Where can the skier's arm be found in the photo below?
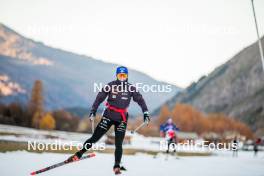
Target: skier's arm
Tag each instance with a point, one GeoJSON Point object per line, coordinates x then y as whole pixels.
{"type": "Point", "coordinates": [137, 97]}
{"type": "Point", "coordinates": [175, 128]}
{"type": "Point", "coordinates": [162, 132]}
{"type": "Point", "coordinates": [99, 99]}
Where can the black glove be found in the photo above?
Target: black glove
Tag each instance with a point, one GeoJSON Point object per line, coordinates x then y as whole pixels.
{"type": "Point", "coordinates": [92, 115]}
{"type": "Point", "coordinates": [146, 117]}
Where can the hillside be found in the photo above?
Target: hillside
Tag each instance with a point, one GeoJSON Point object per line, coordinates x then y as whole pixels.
{"type": "Point", "coordinates": [68, 78]}
{"type": "Point", "coordinates": [235, 88]}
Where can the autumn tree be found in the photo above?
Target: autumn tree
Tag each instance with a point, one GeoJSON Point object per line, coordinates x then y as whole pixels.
{"type": "Point", "coordinates": [221, 123]}
{"type": "Point", "coordinates": [47, 122]}
{"type": "Point", "coordinates": [187, 118]}
{"type": "Point", "coordinates": [36, 103]}
{"type": "Point", "coordinates": [164, 115]}
{"type": "Point", "coordinates": [65, 120]}
{"type": "Point", "coordinates": [184, 117]}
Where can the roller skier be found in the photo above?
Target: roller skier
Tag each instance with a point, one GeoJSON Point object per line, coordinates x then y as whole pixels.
{"type": "Point", "coordinates": [168, 130]}
{"type": "Point", "coordinates": [119, 94]}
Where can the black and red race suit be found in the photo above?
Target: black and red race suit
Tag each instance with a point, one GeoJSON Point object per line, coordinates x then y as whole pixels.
{"type": "Point", "coordinates": [119, 95]}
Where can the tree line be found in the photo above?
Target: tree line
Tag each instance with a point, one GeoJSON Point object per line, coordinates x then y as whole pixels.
{"type": "Point", "coordinates": [189, 119]}
{"type": "Point", "coordinates": [34, 115]}
{"type": "Point", "coordinates": [186, 117]}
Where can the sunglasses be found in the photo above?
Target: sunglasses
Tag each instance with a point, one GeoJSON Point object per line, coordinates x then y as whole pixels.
{"type": "Point", "coordinates": [122, 76]}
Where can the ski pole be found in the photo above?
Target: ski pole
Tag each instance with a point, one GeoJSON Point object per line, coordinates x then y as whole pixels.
{"type": "Point", "coordinates": [140, 126]}
{"type": "Point", "coordinates": [92, 125]}
{"type": "Point", "coordinates": [60, 164]}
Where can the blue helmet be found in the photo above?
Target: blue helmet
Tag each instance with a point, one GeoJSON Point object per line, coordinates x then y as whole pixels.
{"type": "Point", "coordinates": [121, 69]}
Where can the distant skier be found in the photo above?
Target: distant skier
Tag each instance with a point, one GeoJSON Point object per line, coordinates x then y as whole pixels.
{"type": "Point", "coordinates": [255, 147]}
{"type": "Point", "coordinates": [168, 130]}
{"type": "Point", "coordinates": [118, 94]}
{"type": "Point", "coordinates": [235, 147]}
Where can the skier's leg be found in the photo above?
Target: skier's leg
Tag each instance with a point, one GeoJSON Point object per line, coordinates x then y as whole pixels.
{"type": "Point", "coordinates": [174, 146]}
{"type": "Point", "coordinates": [102, 127]}
{"type": "Point", "coordinates": [120, 131]}
{"type": "Point", "coordinates": [169, 144]}
{"type": "Point", "coordinates": [100, 130]}
{"type": "Point", "coordinates": [168, 150]}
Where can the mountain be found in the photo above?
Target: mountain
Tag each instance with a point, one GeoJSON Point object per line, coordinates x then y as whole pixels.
{"type": "Point", "coordinates": [235, 88]}
{"type": "Point", "coordinates": [68, 78]}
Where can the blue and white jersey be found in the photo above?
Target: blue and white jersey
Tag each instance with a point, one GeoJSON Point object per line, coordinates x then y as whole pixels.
{"type": "Point", "coordinates": [168, 127]}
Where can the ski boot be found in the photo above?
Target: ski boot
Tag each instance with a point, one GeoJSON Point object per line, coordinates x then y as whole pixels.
{"type": "Point", "coordinates": [75, 157]}
{"type": "Point", "coordinates": [122, 168]}
{"type": "Point", "coordinates": [117, 169]}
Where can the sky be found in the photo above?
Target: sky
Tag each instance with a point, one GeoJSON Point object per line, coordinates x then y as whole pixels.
{"type": "Point", "coordinates": [170, 40]}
